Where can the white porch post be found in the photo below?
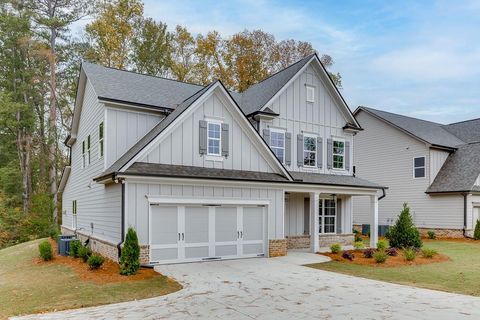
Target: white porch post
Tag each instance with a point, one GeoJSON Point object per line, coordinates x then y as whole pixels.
{"type": "Point", "coordinates": [314, 225]}
{"type": "Point", "coordinates": [374, 221]}
{"type": "Point", "coordinates": [348, 215]}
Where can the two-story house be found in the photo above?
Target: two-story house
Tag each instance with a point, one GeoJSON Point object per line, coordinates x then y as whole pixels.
{"type": "Point", "coordinates": [202, 173]}
{"type": "Point", "coordinates": [435, 168]}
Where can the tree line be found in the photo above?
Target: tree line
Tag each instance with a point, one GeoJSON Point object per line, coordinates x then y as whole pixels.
{"type": "Point", "coordinates": [39, 66]}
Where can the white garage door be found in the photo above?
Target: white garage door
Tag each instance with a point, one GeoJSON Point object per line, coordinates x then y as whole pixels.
{"type": "Point", "coordinates": [185, 233]}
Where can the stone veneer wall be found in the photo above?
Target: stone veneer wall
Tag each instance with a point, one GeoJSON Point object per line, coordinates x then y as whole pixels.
{"type": "Point", "coordinates": [277, 248]}
{"type": "Point", "coordinates": [325, 240]}
{"type": "Point", "coordinates": [144, 254]}
{"type": "Point", "coordinates": [105, 248]}
{"type": "Point", "coordinates": [298, 242]}
{"type": "Point", "coordinates": [439, 232]}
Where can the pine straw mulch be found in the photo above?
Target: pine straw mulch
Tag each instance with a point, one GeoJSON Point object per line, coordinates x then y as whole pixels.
{"type": "Point", "coordinates": [109, 272]}
{"type": "Point", "coordinates": [397, 261]}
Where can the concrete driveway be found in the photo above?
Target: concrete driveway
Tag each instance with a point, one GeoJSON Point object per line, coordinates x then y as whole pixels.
{"type": "Point", "coordinates": [279, 288]}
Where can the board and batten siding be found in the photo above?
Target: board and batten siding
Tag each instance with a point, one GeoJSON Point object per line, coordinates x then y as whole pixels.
{"type": "Point", "coordinates": [321, 117]}
{"type": "Point", "coordinates": [181, 146]}
{"type": "Point", "coordinates": [96, 203]}
{"type": "Point", "coordinates": [384, 154]}
{"type": "Point", "coordinates": [437, 159]}
{"type": "Point", "coordinates": [137, 204]}
{"type": "Point", "coordinates": [124, 128]}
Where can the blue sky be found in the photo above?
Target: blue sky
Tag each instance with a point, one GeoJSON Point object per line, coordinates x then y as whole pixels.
{"type": "Point", "coordinates": [419, 58]}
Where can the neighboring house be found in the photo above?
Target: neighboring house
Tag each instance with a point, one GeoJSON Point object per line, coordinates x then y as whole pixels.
{"type": "Point", "coordinates": [202, 173]}
{"type": "Point", "coordinates": [435, 168]}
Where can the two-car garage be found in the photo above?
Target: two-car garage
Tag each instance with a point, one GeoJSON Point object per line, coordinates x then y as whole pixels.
{"type": "Point", "coordinates": [189, 230]}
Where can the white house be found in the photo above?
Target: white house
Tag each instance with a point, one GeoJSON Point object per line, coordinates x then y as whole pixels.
{"type": "Point", "coordinates": [202, 173]}
{"type": "Point", "coordinates": [435, 168]}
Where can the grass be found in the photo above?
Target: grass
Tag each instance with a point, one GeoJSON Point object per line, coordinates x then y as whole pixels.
{"type": "Point", "coordinates": [27, 288]}
{"type": "Point", "coordinates": [460, 274]}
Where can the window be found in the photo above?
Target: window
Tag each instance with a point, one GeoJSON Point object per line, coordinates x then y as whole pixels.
{"type": "Point", "coordinates": [277, 144]}
{"type": "Point", "coordinates": [83, 154]}
{"type": "Point", "coordinates": [310, 94]}
{"type": "Point", "coordinates": [338, 154]}
{"type": "Point", "coordinates": [214, 138]}
{"type": "Point", "coordinates": [309, 151]}
{"type": "Point", "coordinates": [74, 214]}
{"type": "Point", "coordinates": [88, 150]}
{"type": "Point", "coordinates": [419, 167]}
{"type": "Point", "coordinates": [100, 140]}
{"type": "Point", "coordinates": [327, 216]}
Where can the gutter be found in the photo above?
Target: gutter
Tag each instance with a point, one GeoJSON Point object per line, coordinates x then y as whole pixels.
{"type": "Point", "coordinates": [384, 194]}
{"type": "Point", "coordinates": [122, 232]}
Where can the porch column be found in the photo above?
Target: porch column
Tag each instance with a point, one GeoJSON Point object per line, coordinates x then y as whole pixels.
{"type": "Point", "coordinates": [347, 215]}
{"type": "Point", "coordinates": [373, 221]}
{"type": "Point", "coordinates": [314, 232]}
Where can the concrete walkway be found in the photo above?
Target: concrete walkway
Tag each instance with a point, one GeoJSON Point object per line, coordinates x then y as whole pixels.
{"type": "Point", "coordinates": [279, 288]}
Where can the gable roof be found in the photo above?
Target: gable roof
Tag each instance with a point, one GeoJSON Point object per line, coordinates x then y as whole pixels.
{"type": "Point", "coordinates": [468, 131]}
{"type": "Point", "coordinates": [427, 131]}
{"type": "Point", "coordinates": [459, 172]}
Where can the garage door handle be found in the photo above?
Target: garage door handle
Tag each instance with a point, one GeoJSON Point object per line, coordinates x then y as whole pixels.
{"type": "Point", "coordinates": [183, 236]}
{"type": "Point", "coordinates": [241, 234]}
{"type": "Point", "coordinates": [238, 234]}
{"type": "Point", "coordinates": [179, 236]}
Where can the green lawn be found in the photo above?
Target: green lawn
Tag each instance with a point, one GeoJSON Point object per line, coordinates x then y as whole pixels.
{"type": "Point", "coordinates": [461, 274]}
{"type": "Point", "coordinates": [28, 288]}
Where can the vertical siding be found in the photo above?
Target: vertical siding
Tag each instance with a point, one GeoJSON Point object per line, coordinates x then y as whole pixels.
{"type": "Point", "coordinates": [385, 155]}
{"type": "Point", "coordinates": [322, 117]}
{"type": "Point", "coordinates": [137, 204]}
{"type": "Point", "coordinates": [294, 214]}
{"type": "Point", "coordinates": [437, 159]}
{"type": "Point", "coordinates": [124, 128]}
{"type": "Point", "coordinates": [96, 203]}
{"type": "Point", "coordinates": [181, 146]}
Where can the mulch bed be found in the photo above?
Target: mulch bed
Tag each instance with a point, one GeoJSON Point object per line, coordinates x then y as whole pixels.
{"type": "Point", "coordinates": [397, 261]}
{"type": "Point", "coordinates": [109, 272]}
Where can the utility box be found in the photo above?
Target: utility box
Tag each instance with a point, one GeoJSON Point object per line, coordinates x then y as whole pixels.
{"type": "Point", "coordinates": [365, 229]}
{"type": "Point", "coordinates": [64, 244]}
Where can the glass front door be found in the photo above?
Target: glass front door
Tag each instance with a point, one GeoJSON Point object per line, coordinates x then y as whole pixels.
{"type": "Point", "coordinates": [327, 216]}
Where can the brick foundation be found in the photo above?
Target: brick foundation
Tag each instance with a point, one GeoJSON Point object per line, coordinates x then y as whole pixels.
{"type": "Point", "coordinates": [277, 248]}
{"type": "Point", "coordinates": [144, 254]}
{"type": "Point", "coordinates": [298, 242]}
{"type": "Point", "coordinates": [442, 233]}
{"type": "Point", "coordinates": [327, 240]}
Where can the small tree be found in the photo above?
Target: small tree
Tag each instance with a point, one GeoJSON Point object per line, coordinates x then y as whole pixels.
{"type": "Point", "coordinates": [130, 257]}
{"type": "Point", "coordinates": [404, 234]}
{"type": "Point", "coordinates": [476, 233]}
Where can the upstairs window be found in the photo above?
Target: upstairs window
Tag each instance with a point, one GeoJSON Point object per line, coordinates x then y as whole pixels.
{"type": "Point", "coordinates": [277, 144]}
{"type": "Point", "coordinates": [88, 150]}
{"type": "Point", "coordinates": [214, 138]}
{"type": "Point", "coordinates": [100, 140]}
{"type": "Point", "coordinates": [419, 167]}
{"type": "Point", "coordinates": [310, 94]}
{"type": "Point", "coordinates": [338, 154]}
{"type": "Point", "coordinates": [309, 151]}
{"type": "Point", "coordinates": [83, 154]}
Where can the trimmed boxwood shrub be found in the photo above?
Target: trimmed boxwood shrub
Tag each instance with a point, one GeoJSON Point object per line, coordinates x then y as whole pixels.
{"type": "Point", "coordinates": [368, 253]}
{"type": "Point", "coordinates": [335, 248]}
{"type": "Point", "coordinates": [84, 253]}
{"type": "Point", "coordinates": [348, 255]}
{"type": "Point", "coordinates": [431, 234]}
{"type": "Point", "coordinates": [130, 257]}
{"type": "Point", "coordinates": [382, 244]}
{"type": "Point", "coordinates": [380, 256]}
{"type": "Point", "coordinates": [95, 261]}
{"type": "Point", "coordinates": [410, 254]}
{"type": "Point", "coordinates": [74, 247]}
{"type": "Point", "coordinates": [358, 245]}
{"type": "Point", "coordinates": [404, 234]}
{"type": "Point", "coordinates": [429, 253]}
{"type": "Point", "coordinates": [476, 233]}
{"type": "Point", "coordinates": [45, 249]}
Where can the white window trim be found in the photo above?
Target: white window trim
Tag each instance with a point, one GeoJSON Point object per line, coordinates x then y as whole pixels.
{"type": "Point", "coordinates": [322, 216]}
{"type": "Point", "coordinates": [74, 214]}
{"type": "Point", "coordinates": [282, 131]}
{"type": "Point", "coordinates": [316, 151]}
{"type": "Point", "coordinates": [333, 154]}
{"type": "Point", "coordinates": [307, 88]}
{"type": "Point", "coordinates": [214, 156]}
{"type": "Point", "coordinates": [83, 150]}
{"type": "Point", "coordinates": [424, 167]}
{"type": "Point", "coordinates": [89, 150]}
{"type": "Point", "coordinates": [101, 141]}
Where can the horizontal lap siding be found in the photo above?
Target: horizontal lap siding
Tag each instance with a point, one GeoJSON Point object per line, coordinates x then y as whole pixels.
{"type": "Point", "coordinates": [137, 204]}
{"type": "Point", "coordinates": [322, 117]}
{"type": "Point", "coordinates": [181, 146]}
{"type": "Point", "coordinates": [385, 155]}
{"type": "Point", "coordinates": [96, 203]}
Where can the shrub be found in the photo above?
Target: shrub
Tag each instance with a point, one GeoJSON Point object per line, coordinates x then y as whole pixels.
{"type": "Point", "coordinates": [382, 244]}
{"type": "Point", "coordinates": [74, 247]}
{"type": "Point", "coordinates": [84, 253]}
{"type": "Point", "coordinates": [431, 234]}
{"type": "Point", "coordinates": [53, 232]}
{"type": "Point", "coordinates": [391, 252]}
{"type": "Point", "coordinates": [429, 253]}
{"type": "Point", "coordinates": [368, 253]}
{"type": "Point", "coordinates": [95, 261]}
{"type": "Point", "coordinates": [380, 256]}
{"type": "Point", "coordinates": [476, 233]}
{"type": "Point", "coordinates": [130, 257]}
{"type": "Point", "coordinates": [335, 248]}
{"type": "Point", "coordinates": [358, 245]}
{"type": "Point", "coordinates": [358, 238]}
{"type": "Point", "coordinates": [404, 234]}
{"type": "Point", "coordinates": [410, 254]}
{"type": "Point", "coordinates": [45, 249]}
{"type": "Point", "coordinates": [348, 255]}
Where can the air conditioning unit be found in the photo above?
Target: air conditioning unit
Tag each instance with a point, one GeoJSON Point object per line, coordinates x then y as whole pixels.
{"type": "Point", "coordinates": [64, 244]}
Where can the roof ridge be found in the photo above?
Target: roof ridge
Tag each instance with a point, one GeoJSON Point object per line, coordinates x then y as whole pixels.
{"type": "Point", "coordinates": [463, 121]}
{"type": "Point", "coordinates": [141, 74]}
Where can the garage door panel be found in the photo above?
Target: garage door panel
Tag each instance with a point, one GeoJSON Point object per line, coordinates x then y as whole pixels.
{"type": "Point", "coordinates": [159, 255]}
{"type": "Point", "coordinates": [226, 250]}
{"type": "Point", "coordinates": [225, 224]}
{"type": "Point", "coordinates": [196, 224]}
{"type": "Point", "coordinates": [164, 225]}
{"type": "Point", "coordinates": [255, 248]}
{"type": "Point", "coordinates": [196, 252]}
{"type": "Point", "coordinates": [253, 223]}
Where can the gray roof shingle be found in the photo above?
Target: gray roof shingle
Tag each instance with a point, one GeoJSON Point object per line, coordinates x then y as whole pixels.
{"type": "Point", "coordinates": [331, 179]}
{"type": "Point", "coordinates": [459, 171]}
{"type": "Point", "coordinates": [468, 131]}
{"type": "Point", "coordinates": [430, 132]}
